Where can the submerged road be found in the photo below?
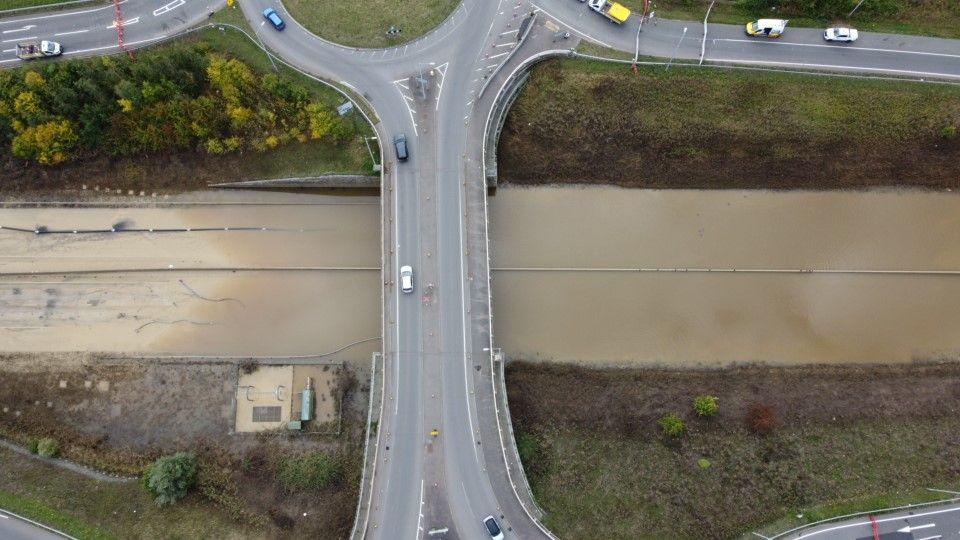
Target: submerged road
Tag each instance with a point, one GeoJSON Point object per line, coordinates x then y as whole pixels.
{"type": "Point", "coordinates": [439, 370]}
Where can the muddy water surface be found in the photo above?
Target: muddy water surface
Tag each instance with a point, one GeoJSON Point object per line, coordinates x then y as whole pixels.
{"type": "Point", "coordinates": [703, 318]}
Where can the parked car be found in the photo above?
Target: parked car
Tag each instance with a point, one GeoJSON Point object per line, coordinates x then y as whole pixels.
{"type": "Point", "coordinates": [400, 143]}
{"type": "Point", "coordinates": [493, 528]}
{"type": "Point", "coordinates": [841, 34]}
{"type": "Point", "coordinates": [271, 16]}
{"type": "Point", "coordinates": [772, 28]}
{"type": "Point", "coordinates": [406, 279]}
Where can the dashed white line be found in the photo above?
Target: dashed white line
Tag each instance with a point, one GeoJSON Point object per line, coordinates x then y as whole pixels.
{"type": "Point", "coordinates": [498, 55]}
{"type": "Point", "coordinates": [24, 29]}
{"type": "Point", "coordinates": [72, 32]}
{"type": "Point", "coordinates": [18, 39]}
{"type": "Point", "coordinates": [508, 32]}
{"type": "Point", "coordinates": [505, 45]}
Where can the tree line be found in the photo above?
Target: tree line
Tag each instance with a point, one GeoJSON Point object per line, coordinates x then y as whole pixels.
{"type": "Point", "coordinates": [188, 98]}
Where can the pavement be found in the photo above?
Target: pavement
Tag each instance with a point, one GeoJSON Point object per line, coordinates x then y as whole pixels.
{"type": "Point", "coordinates": [444, 461]}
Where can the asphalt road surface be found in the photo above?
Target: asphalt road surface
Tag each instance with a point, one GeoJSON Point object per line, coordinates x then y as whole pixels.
{"type": "Point", "coordinates": [438, 365]}
{"type": "Point", "coordinates": [928, 523]}
{"type": "Point", "coordinates": [14, 528]}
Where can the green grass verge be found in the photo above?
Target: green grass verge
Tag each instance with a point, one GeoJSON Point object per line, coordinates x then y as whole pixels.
{"type": "Point", "coordinates": [728, 128]}
{"type": "Point", "coordinates": [365, 23]}
{"type": "Point", "coordinates": [939, 18]}
{"type": "Point", "coordinates": [18, 4]}
{"type": "Point", "coordinates": [87, 508]}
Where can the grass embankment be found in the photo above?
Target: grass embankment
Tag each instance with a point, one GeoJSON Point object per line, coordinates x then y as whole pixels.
{"type": "Point", "coordinates": [86, 508]}
{"type": "Point", "coordinates": [171, 126]}
{"type": "Point", "coordinates": [842, 439]}
{"type": "Point", "coordinates": [710, 128]}
{"type": "Point", "coordinates": [927, 17]}
{"type": "Point", "coordinates": [365, 24]}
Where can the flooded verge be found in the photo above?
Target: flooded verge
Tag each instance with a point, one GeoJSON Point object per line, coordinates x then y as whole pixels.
{"type": "Point", "coordinates": [707, 318]}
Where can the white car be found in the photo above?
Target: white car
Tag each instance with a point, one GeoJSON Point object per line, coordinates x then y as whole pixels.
{"type": "Point", "coordinates": [406, 279]}
{"type": "Point", "coordinates": [841, 34]}
{"type": "Point", "coordinates": [493, 528]}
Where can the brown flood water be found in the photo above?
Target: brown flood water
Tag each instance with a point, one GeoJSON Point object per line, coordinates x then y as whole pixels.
{"type": "Point", "coordinates": [710, 318]}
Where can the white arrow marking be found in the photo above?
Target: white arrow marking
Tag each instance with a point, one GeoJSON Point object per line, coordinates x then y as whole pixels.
{"type": "Point", "coordinates": [134, 20]}
{"type": "Point", "coordinates": [24, 29]}
{"type": "Point", "coordinates": [908, 529]}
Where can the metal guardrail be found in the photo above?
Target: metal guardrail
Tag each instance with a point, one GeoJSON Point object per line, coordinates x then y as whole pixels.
{"type": "Point", "coordinates": [369, 458]}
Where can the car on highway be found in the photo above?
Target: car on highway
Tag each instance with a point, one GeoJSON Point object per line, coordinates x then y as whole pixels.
{"type": "Point", "coordinates": [406, 279]}
{"type": "Point", "coordinates": [400, 144]}
{"type": "Point", "coordinates": [493, 528]}
{"type": "Point", "coordinates": [772, 28]}
{"type": "Point", "coordinates": [841, 34]}
{"type": "Point", "coordinates": [271, 16]}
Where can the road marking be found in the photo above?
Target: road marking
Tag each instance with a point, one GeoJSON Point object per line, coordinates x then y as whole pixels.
{"type": "Point", "coordinates": [419, 512]}
{"type": "Point", "coordinates": [66, 14]}
{"type": "Point", "coordinates": [498, 55]}
{"type": "Point", "coordinates": [908, 529]}
{"type": "Point", "coordinates": [167, 7]}
{"type": "Point", "coordinates": [443, 76]}
{"type": "Point", "coordinates": [572, 29]}
{"type": "Point", "coordinates": [18, 39]}
{"type": "Point", "coordinates": [134, 20]}
{"type": "Point", "coordinates": [508, 32]}
{"type": "Point", "coordinates": [884, 520]}
{"type": "Point", "coordinates": [71, 33]}
{"type": "Point", "coordinates": [864, 49]}
{"type": "Point", "coordinates": [24, 29]}
{"type": "Point", "coordinates": [504, 45]}
{"type": "Point", "coordinates": [835, 67]}
{"type": "Point", "coordinates": [930, 537]}
{"type": "Point", "coordinates": [4, 516]}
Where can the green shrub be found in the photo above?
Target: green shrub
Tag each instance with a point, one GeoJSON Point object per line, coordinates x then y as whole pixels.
{"type": "Point", "coordinates": [47, 447]}
{"type": "Point", "coordinates": [672, 425]}
{"type": "Point", "coordinates": [317, 470]}
{"type": "Point", "coordinates": [170, 478]}
{"type": "Point", "coordinates": [32, 444]}
{"type": "Point", "coordinates": [705, 405]}
{"type": "Point", "coordinates": [949, 132]}
{"type": "Point", "coordinates": [704, 463]}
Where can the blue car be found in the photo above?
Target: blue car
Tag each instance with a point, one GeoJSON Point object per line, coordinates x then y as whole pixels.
{"type": "Point", "coordinates": [271, 16]}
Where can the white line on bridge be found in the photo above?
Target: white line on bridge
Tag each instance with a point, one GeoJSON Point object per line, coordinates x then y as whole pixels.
{"type": "Point", "coordinates": [72, 32]}
{"type": "Point", "coordinates": [18, 39]}
{"type": "Point", "coordinates": [863, 49]}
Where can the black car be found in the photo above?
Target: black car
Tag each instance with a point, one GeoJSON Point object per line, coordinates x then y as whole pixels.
{"type": "Point", "coordinates": [400, 143]}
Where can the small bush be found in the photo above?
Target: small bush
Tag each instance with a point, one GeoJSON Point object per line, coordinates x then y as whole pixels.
{"type": "Point", "coordinates": [170, 478]}
{"type": "Point", "coordinates": [704, 463]}
{"type": "Point", "coordinates": [705, 405]}
{"type": "Point", "coordinates": [949, 132]}
{"type": "Point", "coordinates": [672, 425]}
{"type": "Point", "coordinates": [761, 419]}
{"type": "Point", "coordinates": [47, 447]}
{"type": "Point", "coordinates": [318, 470]}
{"type": "Point", "coordinates": [32, 444]}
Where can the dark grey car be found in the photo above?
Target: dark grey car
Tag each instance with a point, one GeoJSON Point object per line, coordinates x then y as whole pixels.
{"type": "Point", "coordinates": [400, 143]}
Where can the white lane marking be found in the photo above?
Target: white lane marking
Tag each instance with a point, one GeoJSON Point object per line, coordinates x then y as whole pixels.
{"type": "Point", "coordinates": [134, 20]}
{"type": "Point", "coordinates": [443, 76]}
{"type": "Point", "coordinates": [498, 55]}
{"type": "Point", "coordinates": [461, 193]}
{"type": "Point", "coordinates": [572, 29]}
{"type": "Point", "coordinates": [167, 7]}
{"type": "Point", "coordinates": [9, 50]}
{"type": "Point", "coordinates": [419, 512]}
{"type": "Point", "coordinates": [836, 67]}
{"type": "Point", "coordinates": [18, 39]}
{"type": "Point", "coordinates": [505, 45]}
{"type": "Point", "coordinates": [884, 520]}
{"type": "Point", "coordinates": [508, 32]}
{"type": "Point", "coordinates": [4, 516]}
{"type": "Point", "coordinates": [930, 537]}
{"type": "Point", "coordinates": [24, 29]}
{"type": "Point", "coordinates": [67, 14]}
{"type": "Point", "coordinates": [71, 33]}
{"type": "Point", "coordinates": [851, 48]}
{"type": "Point", "coordinates": [128, 44]}
{"type": "Point", "coordinates": [910, 528]}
